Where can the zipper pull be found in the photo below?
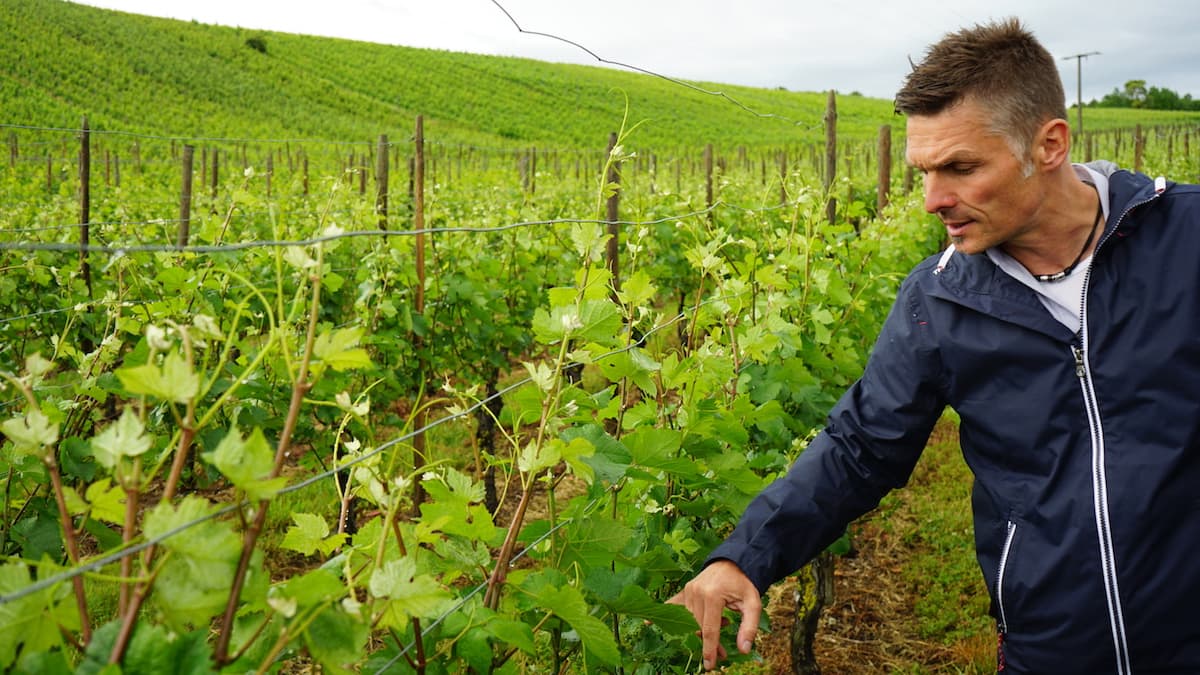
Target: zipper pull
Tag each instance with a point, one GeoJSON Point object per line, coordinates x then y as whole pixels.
{"type": "Point", "coordinates": [1079, 372]}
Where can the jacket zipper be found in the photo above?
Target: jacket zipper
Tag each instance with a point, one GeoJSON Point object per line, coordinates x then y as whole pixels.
{"type": "Point", "coordinates": [1099, 475]}
{"type": "Point", "coordinates": [1008, 540]}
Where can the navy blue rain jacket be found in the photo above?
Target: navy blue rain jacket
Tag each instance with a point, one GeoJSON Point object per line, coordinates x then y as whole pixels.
{"type": "Point", "coordinates": [1085, 447]}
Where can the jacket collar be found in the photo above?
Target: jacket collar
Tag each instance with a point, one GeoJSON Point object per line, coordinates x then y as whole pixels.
{"type": "Point", "coordinates": [974, 281]}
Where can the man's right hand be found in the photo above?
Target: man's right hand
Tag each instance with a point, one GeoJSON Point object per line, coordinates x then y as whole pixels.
{"type": "Point", "coordinates": [722, 584]}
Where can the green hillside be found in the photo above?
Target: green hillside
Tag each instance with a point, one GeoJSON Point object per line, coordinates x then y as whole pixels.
{"type": "Point", "coordinates": [149, 75]}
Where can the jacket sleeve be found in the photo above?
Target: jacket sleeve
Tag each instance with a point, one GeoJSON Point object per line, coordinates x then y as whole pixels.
{"type": "Point", "coordinates": [871, 442]}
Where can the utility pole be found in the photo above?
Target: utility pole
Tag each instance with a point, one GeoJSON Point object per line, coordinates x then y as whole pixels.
{"type": "Point", "coordinates": [1079, 82]}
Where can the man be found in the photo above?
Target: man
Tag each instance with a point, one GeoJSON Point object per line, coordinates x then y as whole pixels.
{"type": "Point", "coordinates": [1063, 325]}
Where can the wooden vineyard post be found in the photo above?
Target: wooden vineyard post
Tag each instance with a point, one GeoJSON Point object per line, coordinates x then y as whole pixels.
{"type": "Point", "coordinates": [1139, 148]}
{"type": "Point", "coordinates": [419, 302]}
{"type": "Point", "coordinates": [12, 149]}
{"type": "Point", "coordinates": [185, 198]}
{"type": "Point", "coordinates": [783, 172]}
{"type": "Point", "coordinates": [885, 168]}
{"type": "Point", "coordinates": [814, 582]}
{"type": "Point", "coordinates": [304, 167]}
{"type": "Point", "coordinates": [381, 182]}
{"type": "Point", "coordinates": [830, 155]}
{"type": "Point", "coordinates": [85, 202]}
{"type": "Point", "coordinates": [613, 206]}
{"type": "Point", "coordinates": [362, 175]}
{"type": "Point", "coordinates": [532, 171]}
{"type": "Point", "coordinates": [216, 166]}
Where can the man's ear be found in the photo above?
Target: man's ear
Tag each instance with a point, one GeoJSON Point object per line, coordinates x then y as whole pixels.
{"type": "Point", "coordinates": [1052, 145]}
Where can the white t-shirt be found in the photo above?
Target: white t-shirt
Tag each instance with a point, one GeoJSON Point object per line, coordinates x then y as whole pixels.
{"type": "Point", "coordinates": [1062, 298]}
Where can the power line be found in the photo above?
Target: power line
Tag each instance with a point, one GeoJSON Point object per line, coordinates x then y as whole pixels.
{"type": "Point", "coordinates": [644, 71]}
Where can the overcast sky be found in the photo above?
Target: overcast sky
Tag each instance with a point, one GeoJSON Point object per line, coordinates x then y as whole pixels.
{"type": "Point", "coordinates": [863, 45]}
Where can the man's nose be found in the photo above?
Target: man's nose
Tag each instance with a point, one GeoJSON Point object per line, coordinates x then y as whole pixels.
{"type": "Point", "coordinates": [938, 196]}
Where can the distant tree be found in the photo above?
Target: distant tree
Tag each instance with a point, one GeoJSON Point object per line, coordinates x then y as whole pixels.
{"type": "Point", "coordinates": [1163, 99]}
{"type": "Point", "coordinates": [1135, 91]}
{"type": "Point", "coordinates": [1136, 94]}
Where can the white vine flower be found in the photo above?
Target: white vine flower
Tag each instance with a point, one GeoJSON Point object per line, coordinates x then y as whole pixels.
{"type": "Point", "coordinates": [156, 337]}
{"type": "Point", "coordinates": [571, 322]}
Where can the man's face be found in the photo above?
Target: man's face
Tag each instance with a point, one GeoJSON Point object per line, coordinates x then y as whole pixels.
{"type": "Point", "coordinates": [973, 180]}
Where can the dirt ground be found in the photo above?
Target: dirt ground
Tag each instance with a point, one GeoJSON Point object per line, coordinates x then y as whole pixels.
{"type": "Point", "coordinates": [869, 627]}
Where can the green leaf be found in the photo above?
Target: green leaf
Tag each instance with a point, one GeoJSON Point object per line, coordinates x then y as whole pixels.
{"type": "Point", "coordinates": [672, 619]}
{"type": "Point", "coordinates": [512, 632]}
{"type": "Point", "coordinates": [27, 621]}
{"type": "Point", "coordinates": [146, 653]}
{"type": "Point", "coordinates": [31, 432]}
{"type": "Point", "coordinates": [414, 595]}
{"type": "Point", "coordinates": [336, 640]}
{"type": "Point", "coordinates": [107, 501]}
{"type": "Point", "coordinates": [574, 453]}
{"type": "Point", "coordinates": [311, 534]}
{"type": "Point", "coordinates": [124, 438]}
{"type": "Point", "coordinates": [638, 290]}
{"type": "Point", "coordinates": [654, 448]}
{"type": "Point", "coordinates": [319, 586]}
{"type": "Point", "coordinates": [611, 459]}
{"type": "Point", "coordinates": [194, 582]}
{"type": "Point", "coordinates": [535, 458]}
{"type": "Point", "coordinates": [568, 604]}
{"type": "Point", "coordinates": [596, 541]}
{"type": "Point", "coordinates": [339, 350]}
{"type": "Point", "coordinates": [247, 463]}
{"type": "Point", "coordinates": [173, 381]}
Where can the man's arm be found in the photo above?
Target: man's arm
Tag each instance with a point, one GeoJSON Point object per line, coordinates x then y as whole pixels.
{"type": "Point", "coordinates": [872, 440]}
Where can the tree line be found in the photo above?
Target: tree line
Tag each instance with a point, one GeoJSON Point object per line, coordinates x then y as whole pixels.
{"type": "Point", "coordinates": [1135, 94]}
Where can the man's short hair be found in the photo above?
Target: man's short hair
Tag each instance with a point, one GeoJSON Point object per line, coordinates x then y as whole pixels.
{"type": "Point", "coordinates": [1002, 66]}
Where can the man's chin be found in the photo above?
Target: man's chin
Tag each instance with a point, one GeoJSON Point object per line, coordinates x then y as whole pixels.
{"type": "Point", "coordinates": [966, 245]}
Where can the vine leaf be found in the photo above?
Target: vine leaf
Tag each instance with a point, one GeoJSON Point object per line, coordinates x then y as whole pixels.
{"type": "Point", "coordinates": [31, 432]}
{"type": "Point", "coordinates": [247, 463]}
{"type": "Point", "coordinates": [124, 438]}
{"type": "Point", "coordinates": [409, 594]}
{"type": "Point", "coordinates": [311, 534]}
{"type": "Point", "coordinates": [569, 605]}
{"type": "Point", "coordinates": [173, 381]}
{"type": "Point", "coordinates": [193, 583]}
{"type": "Point", "coordinates": [29, 620]}
{"type": "Point", "coordinates": [339, 351]}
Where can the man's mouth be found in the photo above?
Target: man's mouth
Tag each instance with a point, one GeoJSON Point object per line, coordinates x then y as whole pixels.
{"type": "Point", "coordinates": [956, 228]}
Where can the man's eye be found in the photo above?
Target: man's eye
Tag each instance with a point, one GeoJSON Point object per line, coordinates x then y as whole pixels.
{"type": "Point", "coordinates": [963, 169]}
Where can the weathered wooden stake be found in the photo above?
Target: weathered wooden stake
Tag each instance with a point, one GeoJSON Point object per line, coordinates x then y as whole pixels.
{"type": "Point", "coordinates": [381, 181]}
{"type": "Point", "coordinates": [419, 299]}
{"type": "Point", "coordinates": [216, 170]}
{"type": "Point", "coordinates": [613, 207]}
{"type": "Point", "coordinates": [185, 198]}
{"type": "Point", "coordinates": [1139, 148]}
{"type": "Point", "coordinates": [85, 201]}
